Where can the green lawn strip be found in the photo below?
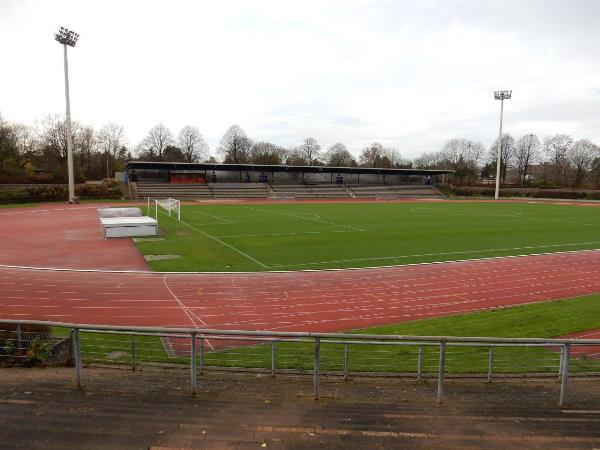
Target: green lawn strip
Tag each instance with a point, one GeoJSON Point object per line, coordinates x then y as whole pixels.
{"type": "Point", "coordinates": [544, 320]}
{"type": "Point", "coordinates": [323, 236]}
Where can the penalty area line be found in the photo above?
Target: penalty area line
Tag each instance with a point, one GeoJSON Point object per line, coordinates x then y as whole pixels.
{"type": "Point", "coordinates": [231, 247]}
{"type": "Point", "coordinates": [312, 219]}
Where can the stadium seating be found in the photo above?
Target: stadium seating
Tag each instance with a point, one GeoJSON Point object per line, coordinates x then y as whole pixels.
{"type": "Point", "coordinates": [239, 190]}
{"type": "Point", "coordinates": [199, 191]}
{"type": "Point", "coordinates": [397, 190]}
{"type": "Point", "coordinates": [159, 189]}
{"type": "Point", "coordinates": [300, 191]}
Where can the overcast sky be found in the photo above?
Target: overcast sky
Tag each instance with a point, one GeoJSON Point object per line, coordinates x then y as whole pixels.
{"type": "Point", "coordinates": [409, 74]}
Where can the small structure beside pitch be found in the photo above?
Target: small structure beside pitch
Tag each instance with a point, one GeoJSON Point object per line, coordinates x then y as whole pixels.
{"type": "Point", "coordinates": [126, 222]}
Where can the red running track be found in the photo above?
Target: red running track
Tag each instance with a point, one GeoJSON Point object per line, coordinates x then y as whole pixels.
{"type": "Point", "coordinates": [294, 301]}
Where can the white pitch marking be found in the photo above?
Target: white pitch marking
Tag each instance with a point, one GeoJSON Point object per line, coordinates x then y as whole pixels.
{"type": "Point", "coordinates": [286, 234]}
{"type": "Point", "coordinates": [438, 254]}
{"type": "Point", "coordinates": [307, 218]}
{"type": "Point", "coordinates": [215, 217]}
{"type": "Point", "coordinates": [210, 236]}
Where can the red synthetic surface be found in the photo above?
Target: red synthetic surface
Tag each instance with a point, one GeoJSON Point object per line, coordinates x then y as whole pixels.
{"type": "Point", "coordinates": [69, 236]}
{"type": "Point", "coordinates": [592, 351]}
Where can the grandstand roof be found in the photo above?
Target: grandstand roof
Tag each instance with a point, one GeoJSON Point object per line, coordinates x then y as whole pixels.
{"type": "Point", "coordinates": [174, 166]}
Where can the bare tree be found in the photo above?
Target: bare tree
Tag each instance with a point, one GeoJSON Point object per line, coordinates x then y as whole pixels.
{"type": "Point", "coordinates": [111, 140]}
{"type": "Point", "coordinates": [296, 157]}
{"type": "Point", "coordinates": [156, 141]}
{"type": "Point", "coordinates": [581, 156]}
{"type": "Point", "coordinates": [8, 142]}
{"type": "Point", "coordinates": [192, 144]}
{"type": "Point", "coordinates": [428, 161]}
{"type": "Point", "coordinates": [87, 144]}
{"type": "Point", "coordinates": [375, 155]}
{"type": "Point", "coordinates": [507, 154]}
{"type": "Point", "coordinates": [526, 152]}
{"type": "Point", "coordinates": [310, 151]}
{"type": "Point", "coordinates": [52, 132]}
{"type": "Point", "coordinates": [338, 156]}
{"type": "Point", "coordinates": [557, 150]}
{"type": "Point", "coordinates": [462, 156]}
{"type": "Point", "coordinates": [235, 146]}
{"type": "Point", "coordinates": [267, 153]}
{"type": "Point", "coordinates": [28, 145]}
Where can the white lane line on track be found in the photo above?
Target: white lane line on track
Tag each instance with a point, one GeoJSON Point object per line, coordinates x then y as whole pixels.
{"type": "Point", "coordinates": [270, 272]}
{"type": "Point", "coordinates": [464, 252]}
{"type": "Point", "coordinates": [8, 213]}
{"type": "Point", "coordinates": [186, 310]}
{"type": "Point", "coordinates": [306, 218]}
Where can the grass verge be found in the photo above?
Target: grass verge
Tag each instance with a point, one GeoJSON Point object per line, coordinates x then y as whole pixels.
{"type": "Point", "coordinates": [544, 320]}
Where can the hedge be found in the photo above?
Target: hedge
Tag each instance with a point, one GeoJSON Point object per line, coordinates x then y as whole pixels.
{"type": "Point", "coordinates": [537, 193]}
{"type": "Point", "coordinates": [60, 192]}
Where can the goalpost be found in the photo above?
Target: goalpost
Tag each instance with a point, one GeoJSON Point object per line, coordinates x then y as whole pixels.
{"type": "Point", "coordinates": [171, 205]}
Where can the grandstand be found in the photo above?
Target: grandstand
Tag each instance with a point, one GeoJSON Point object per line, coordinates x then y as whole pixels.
{"type": "Point", "coordinates": [199, 191]}
{"type": "Point", "coordinates": [191, 181]}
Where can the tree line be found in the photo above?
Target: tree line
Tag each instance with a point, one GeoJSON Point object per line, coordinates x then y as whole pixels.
{"type": "Point", "coordinates": [38, 153]}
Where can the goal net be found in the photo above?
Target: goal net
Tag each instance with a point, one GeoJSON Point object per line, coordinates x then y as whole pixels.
{"type": "Point", "coordinates": [170, 206]}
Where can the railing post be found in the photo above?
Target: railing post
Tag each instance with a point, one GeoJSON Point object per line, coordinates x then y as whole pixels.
{"type": "Point", "coordinates": [273, 359]}
{"type": "Point", "coordinates": [132, 352]}
{"type": "Point", "coordinates": [560, 361]}
{"type": "Point", "coordinates": [491, 365]}
{"type": "Point", "coordinates": [77, 356]}
{"type": "Point", "coordinates": [345, 362]}
{"type": "Point", "coordinates": [19, 342]}
{"type": "Point", "coordinates": [193, 362]}
{"type": "Point", "coordinates": [201, 355]}
{"type": "Point", "coordinates": [564, 374]}
{"type": "Point", "coordinates": [317, 366]}
{"type": "Point", "coordinates": [440, 390]}
{"type": "Point", "coordinates": [420, 363]}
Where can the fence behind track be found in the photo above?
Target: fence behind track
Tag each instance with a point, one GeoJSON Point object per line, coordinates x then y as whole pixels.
{"type": "Point", "coordinates": [317, 354]}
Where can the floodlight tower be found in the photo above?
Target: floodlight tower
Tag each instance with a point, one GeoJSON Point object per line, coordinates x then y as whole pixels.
{"type": "Point", "coordinates": [500, 95]}
{"type": "Point", "coordinates": [68, 38]}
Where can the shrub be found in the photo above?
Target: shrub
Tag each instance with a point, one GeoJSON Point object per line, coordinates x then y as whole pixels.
{"type": "Point", "coordinates": [108, 190]}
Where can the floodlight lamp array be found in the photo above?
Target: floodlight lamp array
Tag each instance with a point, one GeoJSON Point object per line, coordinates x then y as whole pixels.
{"type": "Point", "coordinates": [502, 95]}
{"type": "Point", "coordinates": [66, 37]}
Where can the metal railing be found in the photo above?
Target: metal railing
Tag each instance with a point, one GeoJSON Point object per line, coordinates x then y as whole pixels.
{"type": "Point", "coordinates": [319, 354]}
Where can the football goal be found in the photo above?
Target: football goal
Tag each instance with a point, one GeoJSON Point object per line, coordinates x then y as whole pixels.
{"type": "Point", "coordinates": [170, 206]}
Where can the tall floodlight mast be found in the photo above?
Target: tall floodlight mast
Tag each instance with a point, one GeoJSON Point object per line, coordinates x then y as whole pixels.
{"type": "Point", "coordinates": [500, 95]}
{"type": "Point", "coordinates": [68, 38]}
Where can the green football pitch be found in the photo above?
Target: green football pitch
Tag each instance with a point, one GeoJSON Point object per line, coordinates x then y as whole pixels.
{"type": "Point", "coordinates": [301, 236]}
